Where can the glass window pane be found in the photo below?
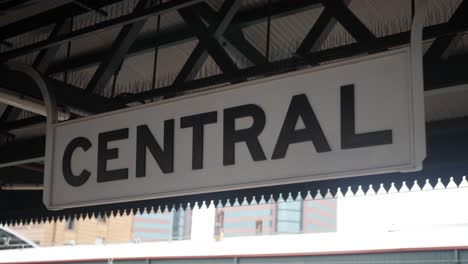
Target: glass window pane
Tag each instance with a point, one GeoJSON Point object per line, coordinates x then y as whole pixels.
{"type": "Point", "coordinates": [289, 216]}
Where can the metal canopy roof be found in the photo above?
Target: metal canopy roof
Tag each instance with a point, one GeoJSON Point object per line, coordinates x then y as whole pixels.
{"type": "Point", "coordinates": [108, 54]}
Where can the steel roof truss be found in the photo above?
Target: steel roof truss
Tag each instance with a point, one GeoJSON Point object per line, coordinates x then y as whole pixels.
{"type": "Point", "coordinates": [111, 63]}
{"type": "Point", "coordinates": [49, 17]}
{"type": "Point", "coordinates": [318, 33]}
{"type": "Point", "coordinates": [147, 42]}
{"type": "Point", "coordinates": [440, 45]}
{"type": "Point", "coordinates": [46, 56]}
{"type": "Point", "coordinates": [208, 41]}
{"type": "Point", "coordinates": [350, 22]}
{"type": "Point", "coordinates": [106, 25]}
{"type": "Point", "coordinates": [233, 35]}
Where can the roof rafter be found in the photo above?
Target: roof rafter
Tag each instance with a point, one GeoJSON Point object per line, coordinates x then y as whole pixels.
{"type": "Point", "coordinates": [350, 22]}
{"type": "Point", "coordinates": [234, 37]}
{"type": "Point", "coordinates": [292, 63]}
{"type": "Point", "coordinates": [318, 32]}
{"type": "Point", "coordinates": [46, 56]}
{"type": "Point", "coordinates": [49, 17]}
{"type": "Point", "coordinates": [440, 45]}
{"type": "Point", "coordinates": [147, 42]}
{"type": "Point", "coordinates": [106, 25]}
{"type": "Point", "coordinates": [208, 41]}
{"type": "Point", "coordinates": [120, 47]}
{"type": "Point", "coordinates": [67, 95]}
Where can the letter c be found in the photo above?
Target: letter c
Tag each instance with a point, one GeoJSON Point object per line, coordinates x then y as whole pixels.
{"type": "Point", "coordinates": [70, 178]}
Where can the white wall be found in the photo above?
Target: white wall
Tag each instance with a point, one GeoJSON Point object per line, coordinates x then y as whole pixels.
{"type": "Point", "coordinates": [404, 211]}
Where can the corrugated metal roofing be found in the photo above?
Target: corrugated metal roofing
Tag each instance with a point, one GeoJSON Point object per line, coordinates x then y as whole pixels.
{"type": "Point", "coordinates": [382, 17]}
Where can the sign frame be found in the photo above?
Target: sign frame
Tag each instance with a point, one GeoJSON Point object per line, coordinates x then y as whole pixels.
{"type": "Point", "coordinates": [417, 130]}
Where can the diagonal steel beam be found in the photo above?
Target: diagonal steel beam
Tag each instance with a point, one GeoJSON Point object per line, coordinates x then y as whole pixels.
{"type": "Point", "coordinates": [67, 95]}
{"type": "Point", "coordinates": [440, 45]}
{"type": "Point", "coordinates": [350, 22]}
{"type": "Point", "coordinates": [238, 41]}
{"type": "Point", "coordinates": [6, 44]}
{"type": "Point", "coordinates": [31, 150]}
{"type": "Point", "coordinates": [233, 36]}
{"type": "Point", "coordinates": [208, 40]}
{"type": "Point", "coordinates": [27, 122]}
{"type": "Point", "coordinates": [46, 56]}
{"type": "Point", "coordinates": [331, 54]}
{"type": "Point", "coordinates": [106, 25]}
{"type": "Point", "coordinates": [319, 32]}
{"type": "Point", "coordinates": [90, 8]}
{"type": "Point", "coordinates": [49, 17]}
{"type": "Point", "coordinates": [6, 113]}
{"type": "Point", "coordinates": [147, 42]}
{"type": "Point", "coordinates": [127, 36]}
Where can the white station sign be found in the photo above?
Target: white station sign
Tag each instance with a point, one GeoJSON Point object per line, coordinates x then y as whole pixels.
{"type": "Point", "coordinates": [341, 120]}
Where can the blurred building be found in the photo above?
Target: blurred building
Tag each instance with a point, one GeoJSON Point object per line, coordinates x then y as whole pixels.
{"type": "Point", "coordinates": [309, 216]}
{"type": "Point", "coordinates": [83, 231]}
{"type": "Point", "coordinates": [118, 229]}
{"type": "Point", "coordinates": [174, 225]}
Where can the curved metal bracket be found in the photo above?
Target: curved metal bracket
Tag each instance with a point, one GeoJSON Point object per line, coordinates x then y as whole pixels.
{"type": "Point", "coordinates": [47, 95]}
{"type": "Point", "coordinates": [52, 115]}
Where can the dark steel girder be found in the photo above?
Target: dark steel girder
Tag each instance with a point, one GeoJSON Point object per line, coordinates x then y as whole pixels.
{"type": "Point", "coordinates": [440, 45]}
{"type": "Point", "coordinates": [350, 22]}
{"type": "Point", "coordinates": [147, 42]}
{"type": "Point", "coordinates": [238, 41]}
{"type": "Point", "coordinates": [26, 174]}
{"type": "Point", "coordinates": [234, 37]}
{"type": "Point", "coordinates": [120, 47]}
{"type": "Point", "coordinates": [6, 113]}
{"type": "Point", "coordinates": [6, 43]}
{"type": "Point", "coordinates": [319, 32]}
{"type": "Point", "coordinates": [24, 151]}
{"type": "Point", "coordinates": [66, 95]}
{"type": "Point", "coordinates": [106, 25]}
{"type": "Point", "coordinates": [21, 123]}
{"type": "Point", "coordinates": [294, 63]}
{"type": "Point", "coordinates": [208, 41]}
{"type": "Point", "coordinates": [49, 17]}
{"type": "Point", "coordinates": [46, 56]}
{"type": "Point", "coordinates": [449, 72]}
{"type": "Point", "coordinates": [90, 8]}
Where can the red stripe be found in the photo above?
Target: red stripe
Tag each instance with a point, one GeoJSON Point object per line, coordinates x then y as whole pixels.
{"type": "Point", "coordinates": [247, 218]}
{"type": "Point", "coordinates": [245, 230]}
{"type": "Point", "coordinates": [318, 212]}
{"type": "Point", "coordinates": [152, 220]}
{"type": "Point", "coordinates": [318, 222]}
{"type": "Point", "coordinates": [247, 208]}
{"type": "Point", "coordinates": [302, 254]}
{"type": "Point", "coordinates": [325, 203]}
{"type": "Point", "coordinates": [151, 230]}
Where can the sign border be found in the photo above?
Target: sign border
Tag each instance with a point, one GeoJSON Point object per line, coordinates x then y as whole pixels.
{"type": "Point", "coordinates": [418, 148]}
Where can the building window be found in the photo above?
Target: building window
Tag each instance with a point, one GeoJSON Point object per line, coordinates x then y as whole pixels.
{"type": "Point", "coordinates": [259, 227]}
{"type": "Point", "coordinates": [289, 217]}
{"type": "Point", "coordinates": [247, 220]}
{"type": "Point", "coordinates": [178, 224]}
{"type": "Point", "coordinates": [219, 225]}
{"type": "Point", "coordinates": [162, 226]}
{"type": "Point", "coordinates": [70, 224]}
